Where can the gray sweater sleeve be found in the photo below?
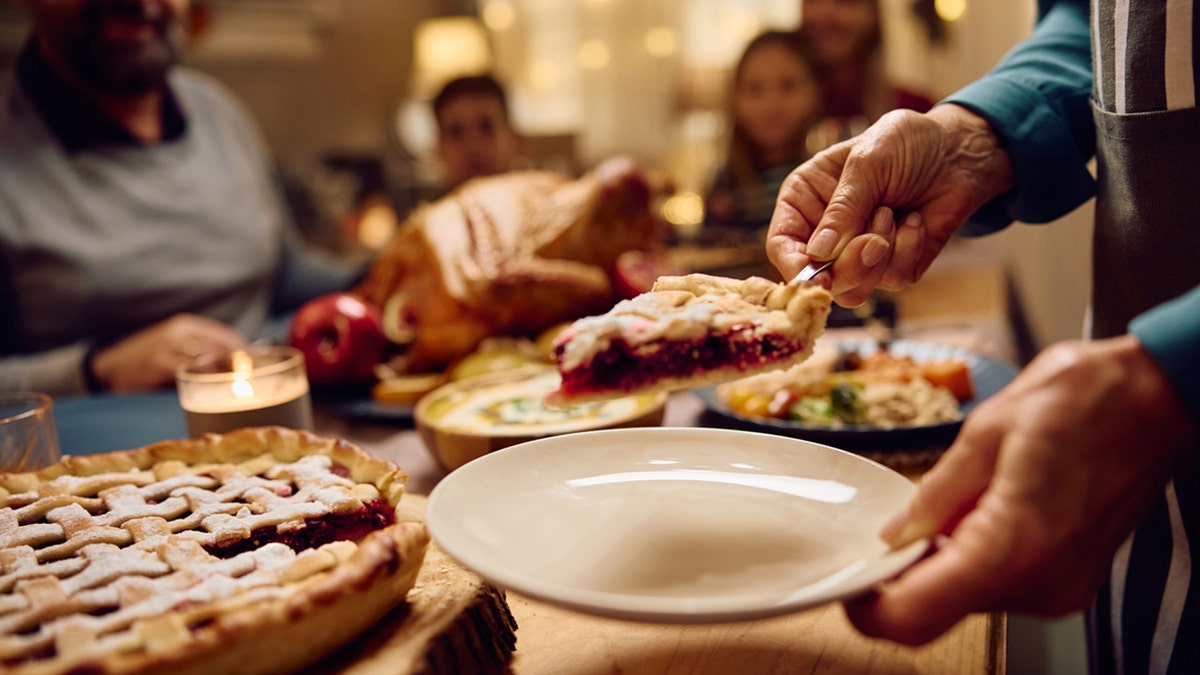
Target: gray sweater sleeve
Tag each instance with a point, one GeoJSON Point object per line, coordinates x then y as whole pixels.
{"type": "Point", "coordinates": [58, 371]}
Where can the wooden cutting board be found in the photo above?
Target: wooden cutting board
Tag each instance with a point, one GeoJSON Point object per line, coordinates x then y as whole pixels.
{"type": "Point", "coordinates": [453, 623]}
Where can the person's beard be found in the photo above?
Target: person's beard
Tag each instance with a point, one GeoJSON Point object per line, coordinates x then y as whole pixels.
{"type": "Point", "coordinates": [117, 68]}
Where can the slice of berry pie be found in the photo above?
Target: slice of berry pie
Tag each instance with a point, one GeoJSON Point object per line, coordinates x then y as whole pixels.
{"type": "Point", "coordinates": [689, 331]}
{"type": "Point", "coordinates": [256, 551]}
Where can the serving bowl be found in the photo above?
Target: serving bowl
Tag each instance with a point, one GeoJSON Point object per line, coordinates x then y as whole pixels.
{"type": "Point", "coordinates": [470, 418]}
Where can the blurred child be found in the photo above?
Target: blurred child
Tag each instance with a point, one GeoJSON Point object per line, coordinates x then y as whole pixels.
{"type": "Point", "coordinates": [475, 137]}
{"type": "Point", "coordinates": [773, 102]}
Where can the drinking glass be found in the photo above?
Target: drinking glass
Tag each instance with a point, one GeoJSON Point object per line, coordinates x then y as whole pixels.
{"type": "Point", "coordinates": [28, 437]}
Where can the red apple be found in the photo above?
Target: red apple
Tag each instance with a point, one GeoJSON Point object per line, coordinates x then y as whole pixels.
{"type": "Point", "coordinates": [342, 338]}
{"type": "Point", "coordinates": [636, 271]}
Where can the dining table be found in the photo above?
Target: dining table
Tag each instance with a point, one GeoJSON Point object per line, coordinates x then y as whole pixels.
{"type": "Point", "coordinates": [552, 639]}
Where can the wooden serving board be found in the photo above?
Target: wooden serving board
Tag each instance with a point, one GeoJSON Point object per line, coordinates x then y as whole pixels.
{"type": "Point", "coordinates": [453, 622]}
{"type": "Point", "coordinates": [818, 641]}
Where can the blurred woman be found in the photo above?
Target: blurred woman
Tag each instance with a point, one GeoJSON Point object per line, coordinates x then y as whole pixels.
{"type": "Point", "coordinates": [847, 40]}
{"type": "Point", "coordinates": [773, 102]}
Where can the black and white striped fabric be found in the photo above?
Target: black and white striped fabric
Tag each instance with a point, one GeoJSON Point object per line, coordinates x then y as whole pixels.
{"type": "Point", "coordinates": [1147, 620]}
{"type": "Point", "coordinates": [1143, 55]}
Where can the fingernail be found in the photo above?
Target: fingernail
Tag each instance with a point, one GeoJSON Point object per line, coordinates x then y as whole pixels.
{"type": "Point", "coordinates": [822, 244]}
{"type": "Point", "coordinates": [899, 534]}
{"type": "Point", "coordinates": [883, 222]}
{"type": "Point", "coordinates": [875, 250]}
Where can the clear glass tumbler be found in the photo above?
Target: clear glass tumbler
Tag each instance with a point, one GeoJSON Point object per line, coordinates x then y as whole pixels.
{"type": "Point", "coordinates": [28, 437]}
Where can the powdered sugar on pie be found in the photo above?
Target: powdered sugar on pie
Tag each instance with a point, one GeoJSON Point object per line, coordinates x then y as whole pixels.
{"type": "Point", "coordinates": [690, 331]}
{"type": "Point", "coordinates": [257, 551]}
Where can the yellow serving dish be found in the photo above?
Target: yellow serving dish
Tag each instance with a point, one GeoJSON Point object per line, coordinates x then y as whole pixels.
{"type": "Point", "coordinates": [467, 419]}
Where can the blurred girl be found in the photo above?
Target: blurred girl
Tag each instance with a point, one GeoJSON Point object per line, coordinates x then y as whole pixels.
{"type": "Point", "coordinates": [773, 102]}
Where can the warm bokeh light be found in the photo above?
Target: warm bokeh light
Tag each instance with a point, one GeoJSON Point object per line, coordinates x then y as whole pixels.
{"type": "Point", "coordinates": [662, 41]}
{"type": "Point", "coordinates": [684, 208]}
{"type": "Point", "coordinates": [543, 76]}
{"type": "Point", "coordinates": [950, 10]}
{"type": "Point", "coordinates": [499, 15]}
{"type": "Point", "coordinates": [593, 54]}
{"type": "Point", "coordinates": [744, 23]}
{"type": "Point", "coordinates": [446, 47]}
{"type": "Point", "coordinates": [377, 225]}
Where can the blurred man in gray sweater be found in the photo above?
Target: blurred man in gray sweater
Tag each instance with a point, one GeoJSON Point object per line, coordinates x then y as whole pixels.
{"type": "Point", "coordinates": [139, 220]}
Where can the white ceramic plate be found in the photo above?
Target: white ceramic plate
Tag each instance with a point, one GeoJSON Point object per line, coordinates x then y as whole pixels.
{"type": "Point", "coordinates": [673, 524]}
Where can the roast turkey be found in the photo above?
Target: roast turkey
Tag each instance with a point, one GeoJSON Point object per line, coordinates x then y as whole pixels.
{"type": "Point", "coordinates": [509, 255]}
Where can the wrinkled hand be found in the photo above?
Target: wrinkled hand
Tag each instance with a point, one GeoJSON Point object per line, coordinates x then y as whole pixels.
{"type": "Point", "coordinates": [148, 358]}
{"type": "Point", "coordinates": [936, 169]}
{"type": "Point", "coordinates": [1046, 479]}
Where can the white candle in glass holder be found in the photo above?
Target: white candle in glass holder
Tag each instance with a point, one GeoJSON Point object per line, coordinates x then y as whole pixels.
{"type": "Point", "coordinates": [258, 386]}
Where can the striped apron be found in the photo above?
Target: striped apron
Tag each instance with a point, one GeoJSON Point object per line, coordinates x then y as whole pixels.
{"type": "Point", "coordinates": [1147, 250]}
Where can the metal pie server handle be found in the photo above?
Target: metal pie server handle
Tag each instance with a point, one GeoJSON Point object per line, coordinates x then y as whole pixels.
{"type": "Point", "coordinates": [811, 270]}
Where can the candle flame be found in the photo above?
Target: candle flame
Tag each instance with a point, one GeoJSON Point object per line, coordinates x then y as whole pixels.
{"type": "Point", "coordinates": [242, 389]}
{"type": "Point", "coordinates": [242, 365]}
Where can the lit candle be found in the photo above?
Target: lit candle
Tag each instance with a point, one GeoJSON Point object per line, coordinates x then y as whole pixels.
{"type": "Point", "coordinates": [253, 387]}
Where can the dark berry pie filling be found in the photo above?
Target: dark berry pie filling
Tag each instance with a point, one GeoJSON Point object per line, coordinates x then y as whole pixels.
{"type": "Point", "coordinates": [315, 532]}
{"type": "Point", "coordinates": [624, 367]}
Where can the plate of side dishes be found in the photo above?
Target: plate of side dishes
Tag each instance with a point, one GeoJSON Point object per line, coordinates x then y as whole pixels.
{"type": "Point", "coordinates": [987, 376]}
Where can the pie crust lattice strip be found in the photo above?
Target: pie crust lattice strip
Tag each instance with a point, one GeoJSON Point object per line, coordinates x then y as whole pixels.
{"type": "Point", "coordinates": [256, 551]}
{"type": "Point", "coordinates": [690, 331]}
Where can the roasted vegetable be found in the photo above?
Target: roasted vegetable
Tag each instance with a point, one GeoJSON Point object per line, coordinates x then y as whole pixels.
{"type": "Point", "coordinates": [846, 403]}
{"type": "Point", "coordinates": [953, 374]}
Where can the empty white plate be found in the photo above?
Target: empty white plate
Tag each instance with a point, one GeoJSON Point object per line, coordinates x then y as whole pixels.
{"type": "Point", "coordinates": [673, 524]}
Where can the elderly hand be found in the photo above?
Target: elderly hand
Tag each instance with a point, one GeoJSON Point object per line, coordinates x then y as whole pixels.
{"type": "Point", "coordinates": [937, 169]}
{"type": "Point", "coordinates": [148, 358]}
{"type": "Point", "coordinates": [1045, 481]}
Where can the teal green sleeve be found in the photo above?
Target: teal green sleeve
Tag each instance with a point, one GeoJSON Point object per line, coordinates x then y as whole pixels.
{"type": "Point", "coordinates": [1038, 100]}
{"type": "Point", "coordinates": [1171, 333]}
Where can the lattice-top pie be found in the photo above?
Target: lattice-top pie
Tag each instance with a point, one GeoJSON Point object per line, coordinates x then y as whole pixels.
{"type": "Point", "coordinates": [256, 551]}
{"type": "Point", "coordinates": [690, 331]}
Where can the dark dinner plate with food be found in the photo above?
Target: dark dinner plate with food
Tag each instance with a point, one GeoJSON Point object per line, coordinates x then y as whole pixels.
{"type": "Point", "coordinates": [857, 392]}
